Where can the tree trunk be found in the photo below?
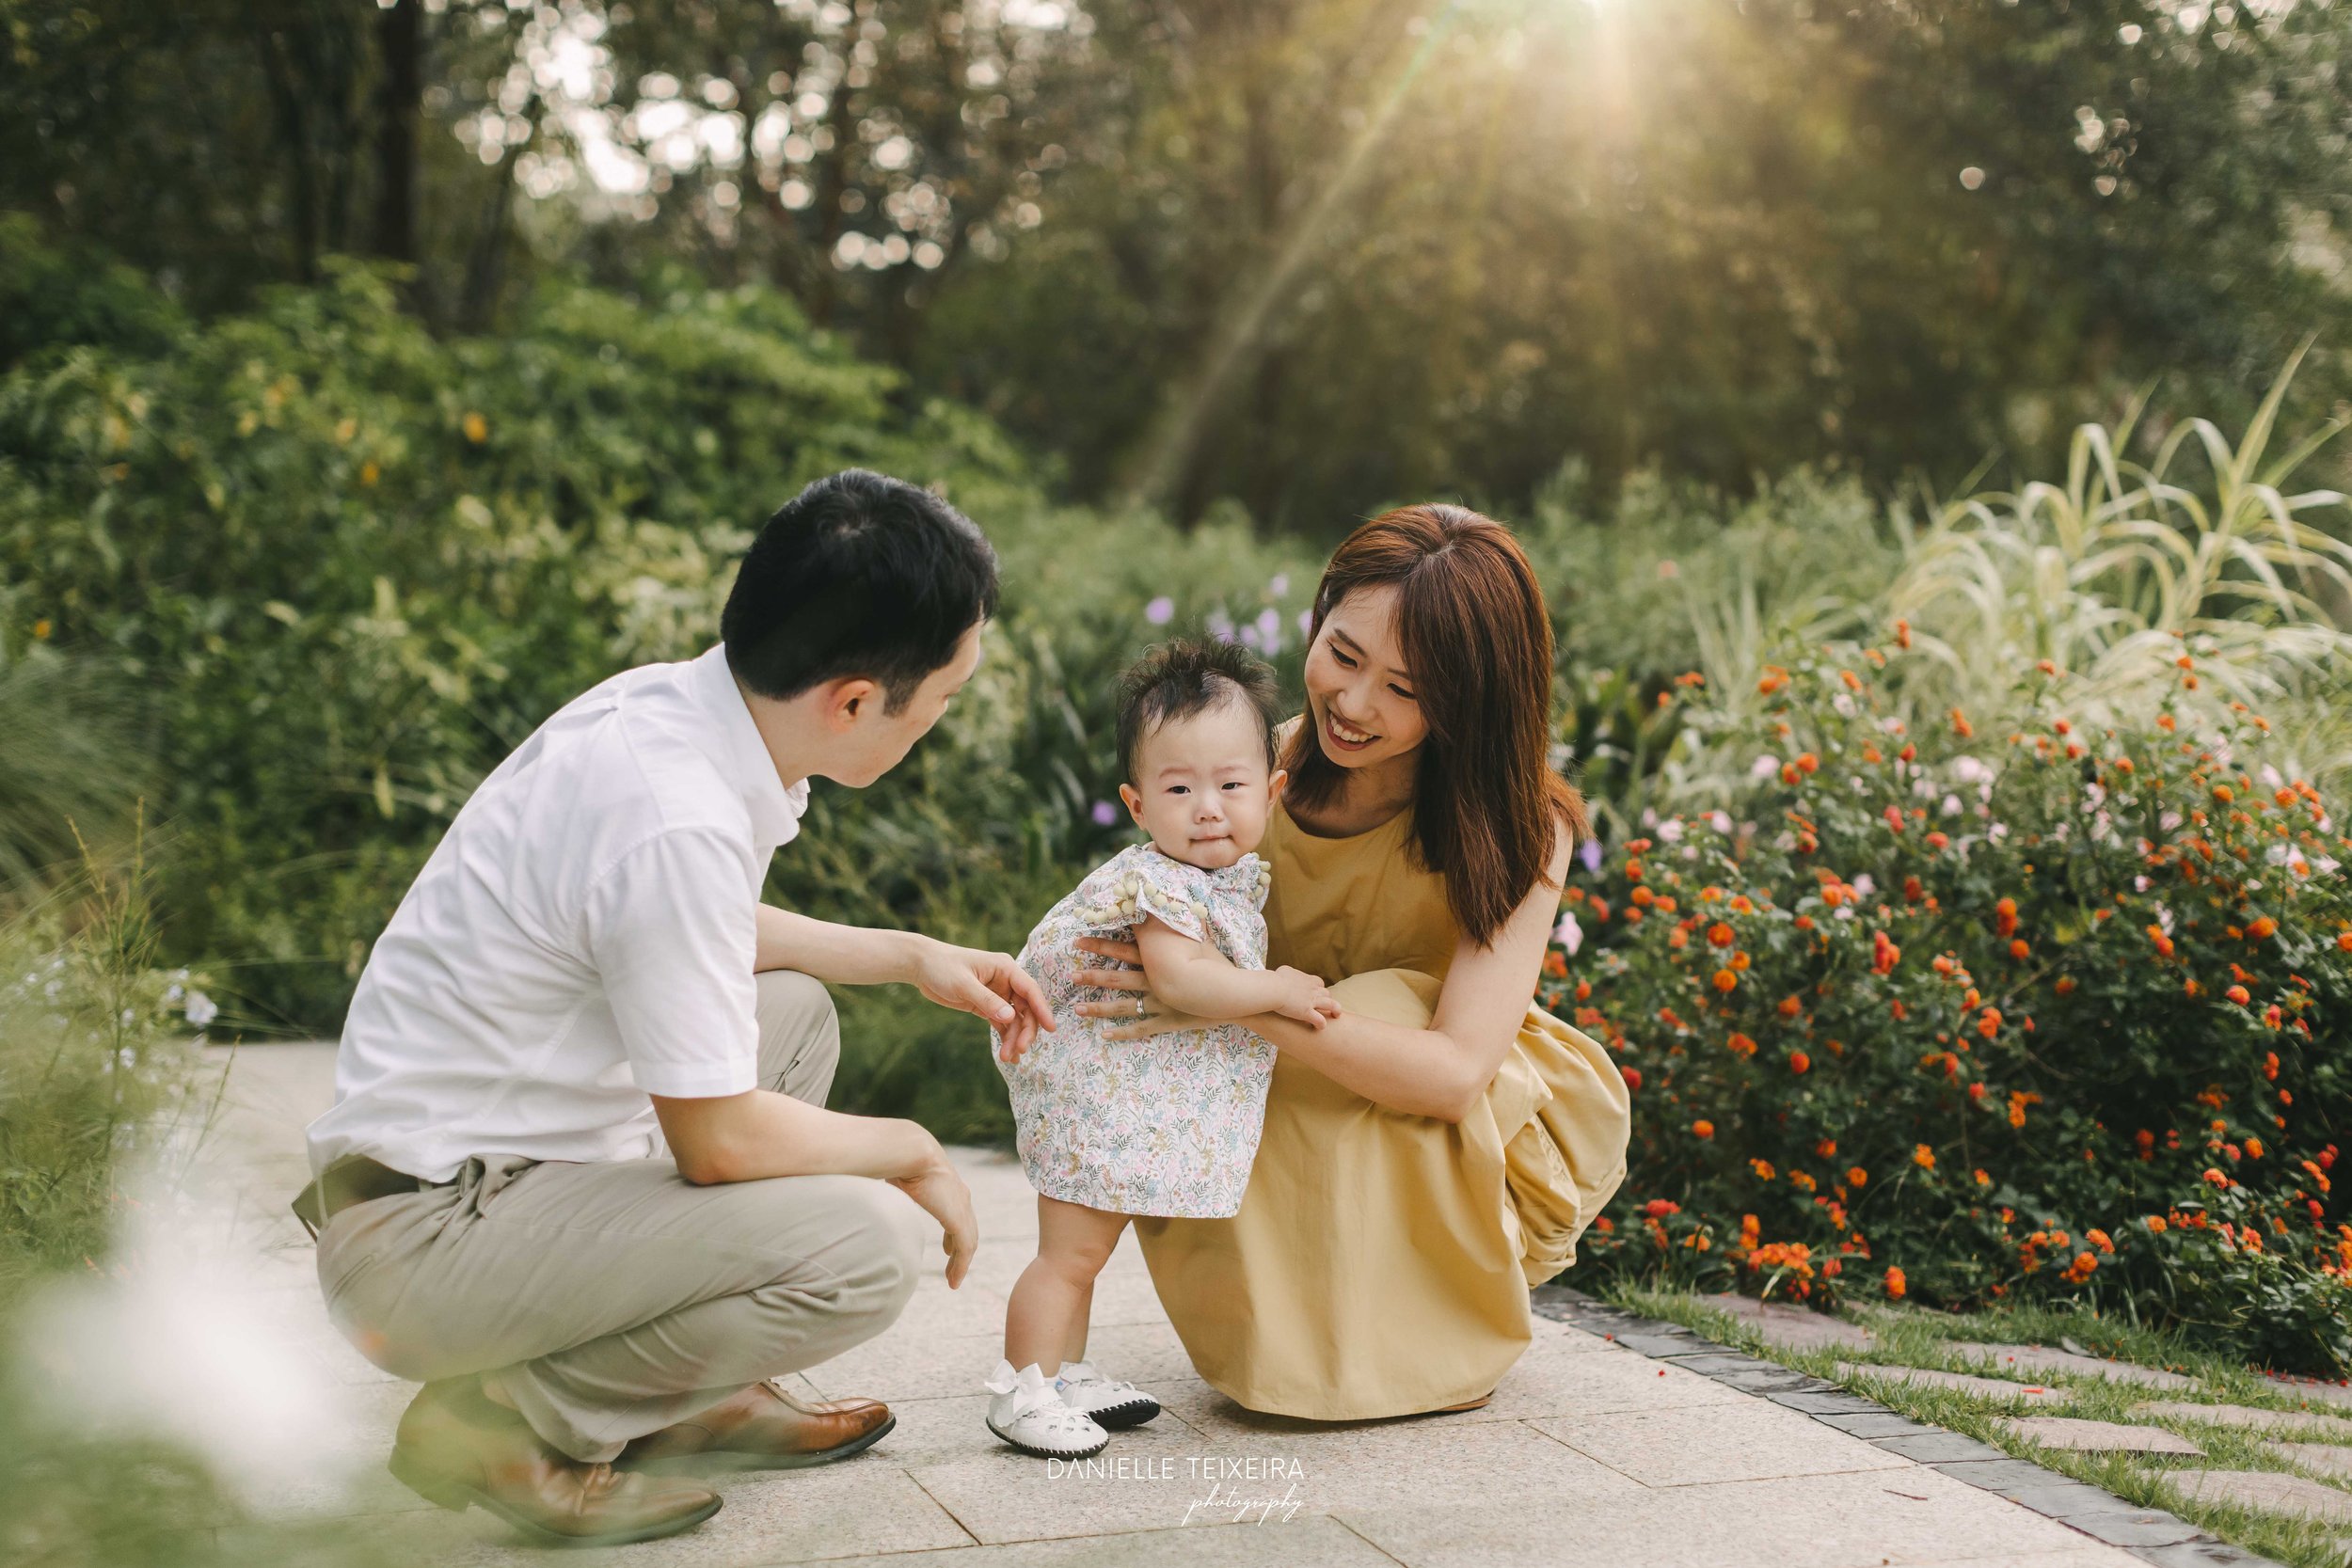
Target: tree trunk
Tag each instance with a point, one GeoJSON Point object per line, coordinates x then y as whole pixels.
{"type": "Point", "coordinates": [400, 87]}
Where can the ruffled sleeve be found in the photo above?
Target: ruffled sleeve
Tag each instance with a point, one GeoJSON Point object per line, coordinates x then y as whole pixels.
{"type": "Point", "coordinates": [1146, 882]}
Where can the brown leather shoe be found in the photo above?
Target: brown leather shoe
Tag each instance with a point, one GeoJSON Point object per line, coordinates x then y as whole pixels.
{"type": "Point", "coordinates": [456, 1449]}
{"type": "Point", "coordinates": [762, 1428]}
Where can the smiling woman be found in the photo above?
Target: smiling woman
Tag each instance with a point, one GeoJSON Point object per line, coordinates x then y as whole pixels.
{"type": "Point", "coordinates": [1440, 1146]}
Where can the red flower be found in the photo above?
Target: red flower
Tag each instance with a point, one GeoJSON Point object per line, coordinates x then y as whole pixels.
{"type": "Point", "coordinates": [1799, 1062]}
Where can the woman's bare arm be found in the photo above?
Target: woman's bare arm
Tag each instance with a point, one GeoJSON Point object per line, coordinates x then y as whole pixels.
{"type": "Point", "coordinates": [1440, 1072]}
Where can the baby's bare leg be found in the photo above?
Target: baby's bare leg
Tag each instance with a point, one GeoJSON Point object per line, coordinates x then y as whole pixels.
{"type": "Point", "coordinates": [1048, 1312]}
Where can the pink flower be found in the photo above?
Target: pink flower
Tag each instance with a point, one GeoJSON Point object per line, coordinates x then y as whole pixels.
{"type": "Point", "coordinates": [1568, 934]}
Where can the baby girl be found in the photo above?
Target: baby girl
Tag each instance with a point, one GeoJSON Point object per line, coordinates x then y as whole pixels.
{"type": "Point", "coordinates": [1168, 1125]}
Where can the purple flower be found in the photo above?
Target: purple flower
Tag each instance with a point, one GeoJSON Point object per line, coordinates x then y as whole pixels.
{"type": "Point", "coordinates": [1105, 813]}
{"type": "Point", "coordinates": [1270, 631]}
{"type": "Point", "coordinates": [1280, 585]}
{"type": "Point", "coordinates": [1306, 623]}
{"type": "Point", "coordinates": [1160, 611]}
{"type": "Point", "coordinates": [1589, 852]}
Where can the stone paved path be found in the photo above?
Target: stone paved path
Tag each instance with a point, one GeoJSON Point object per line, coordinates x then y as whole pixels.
{"type": "Point", "coordinates": [1590, 1453]}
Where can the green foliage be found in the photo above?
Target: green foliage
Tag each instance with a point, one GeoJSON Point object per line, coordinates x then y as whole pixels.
{"type": "Point", "coordinates": [2062, 1016]}
{"type": "Point", "coordinates": [348, 567]}
{"type": "Point", "coordinates": [94, 1066]}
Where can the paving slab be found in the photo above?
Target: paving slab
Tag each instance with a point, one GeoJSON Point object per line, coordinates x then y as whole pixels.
{"type": "Point", "coordinates": [1792, 1327]}
{"type": "Point", "coordinates": [2271, 1491]}
{"type": "Point", "coordinates": [2042, 1358]}
{"type": "Point", "coordinates": [1743, 1442]}
{"type": "Point", "coordinates": [1831, 1521]}
{"type": "Point", "coordinates": [2328, 1458]}
{"type": "Point", "coordinates": [2309, 1422]}
{"type": "Point", "coordinates": [2061, 1432]}
{"type": "Point", "coordinates": [1983, 1388]}
{"type": "Point", "coordinates": [1307, 1542]}
{"type": "Point", "coordinates": [2312, 1391]}
{"type": "Point", "coordinates": [1167, 1481]}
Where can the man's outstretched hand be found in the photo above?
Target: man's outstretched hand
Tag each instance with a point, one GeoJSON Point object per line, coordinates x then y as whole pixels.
{"type": "Point", "coordinates": [943, 1197]}
{"type": "Point", "coordinates": [989, 984]}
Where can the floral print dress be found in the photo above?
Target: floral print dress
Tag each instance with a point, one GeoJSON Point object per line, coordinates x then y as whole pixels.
{"type": "Point", "coordinates": [1167, 1126]}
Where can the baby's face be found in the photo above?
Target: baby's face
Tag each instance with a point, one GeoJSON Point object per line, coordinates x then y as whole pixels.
{"type": "Point", "coordinates": [1202, 787]}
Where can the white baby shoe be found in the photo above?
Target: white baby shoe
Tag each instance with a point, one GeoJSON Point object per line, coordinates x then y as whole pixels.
{"type": "Point", "coordinates": [1111, 1406]}
{"type": "Point", "coordinates": [1028, 1412]}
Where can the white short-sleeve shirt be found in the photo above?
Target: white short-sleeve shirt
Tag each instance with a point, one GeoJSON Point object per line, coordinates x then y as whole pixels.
{"type": "Point", "coordinates": [581, 938]}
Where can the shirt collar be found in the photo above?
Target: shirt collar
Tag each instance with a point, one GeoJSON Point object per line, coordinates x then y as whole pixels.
{"type": "Point", "coordinates": [775, 810]}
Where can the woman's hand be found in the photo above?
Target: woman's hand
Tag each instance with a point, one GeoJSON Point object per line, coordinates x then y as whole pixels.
{"type": "Point", "coordinates": [1136, 1014]}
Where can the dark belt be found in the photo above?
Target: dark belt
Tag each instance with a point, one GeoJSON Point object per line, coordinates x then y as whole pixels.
{"type": "Point", "coordinates": [353, 1179]}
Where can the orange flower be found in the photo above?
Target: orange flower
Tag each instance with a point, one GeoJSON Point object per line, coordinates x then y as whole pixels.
{"type": "Point", "coordinates": [1741, 1045]}
{"type": "Point", "coordinates": [1725, 979]}
{"type": "Point", "coordinates": [2005, 917]}
{"type": "Point", "coordinates": [2065, 986]}
{"type": "Point", "coordinates": [1989, 1023]}
{"type": "Point", "coordinates": [2239, 995]}
{"type": "Point", "coordinates": [1808, 762]}
{"type": "Point", "coordinates": [1826, 1148]}
{"type": "Point", "coordinates": [1960, 726]}
{"type": "Point", "coordinates": [1896, 1284]}
{"type": "Point", "coordinates": [1763, 1169]}
{"type": "Point", "coordinates": [1790, 1006]}
{"type": "Point", "coordinates": [1720, 935]}
{"type": "Point", "coordinates": [2263, 929]}
{"type": "Point", "coordinates": [2344, 943]}
{"type": "Point", "coordinates": [1856, 1176]}
{"type": "Point", "coordinates": [2017, 948]}
{"type": "Point", "coordinates": [1984, 1179]}
{"type": "Point", "coordinates": [2099, 1239]}
{"type": "Point", "coordinates": [1703, 1128]}
{"type": "Point", "coordinates": [1853, 682]}
{"type": "Point", "coordinates": [1923, 1157]}
{"type": "Point", "coordinates": [477, 429]}
{"type": "Point", "coordinates": [2156, 1225]}
{"type": "Point", "coordinates": [1799, 1062]}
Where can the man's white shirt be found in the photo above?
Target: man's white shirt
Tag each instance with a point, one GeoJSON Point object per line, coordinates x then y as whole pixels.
{"type": "Point", "coordinates": [582, 936]}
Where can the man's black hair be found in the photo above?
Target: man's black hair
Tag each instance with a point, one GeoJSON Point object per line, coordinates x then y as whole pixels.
{"type": "Point", "coordinates": [1188, 676]}
{"type": "Point", "coordinates": [857, 576]}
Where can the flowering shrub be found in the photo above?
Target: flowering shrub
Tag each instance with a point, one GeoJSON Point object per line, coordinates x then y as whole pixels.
{"type": "Point", "coordinates": [1962, 1011]}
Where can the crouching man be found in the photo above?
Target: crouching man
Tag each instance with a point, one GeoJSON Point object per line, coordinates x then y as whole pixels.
{"type": "Point", "coordinates": [578, 1180]}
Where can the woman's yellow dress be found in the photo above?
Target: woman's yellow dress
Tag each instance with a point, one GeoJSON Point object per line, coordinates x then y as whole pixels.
{"type": "Point", "coordinates": [1381, 1260]}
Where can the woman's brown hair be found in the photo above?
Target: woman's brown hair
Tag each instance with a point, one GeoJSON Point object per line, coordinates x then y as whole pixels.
{"type": "Point", "coordinates": [1486, 805]}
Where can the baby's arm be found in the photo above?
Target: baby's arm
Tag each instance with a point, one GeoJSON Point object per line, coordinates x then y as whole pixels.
{"type": "Point", "coordinates": [1193, 977]}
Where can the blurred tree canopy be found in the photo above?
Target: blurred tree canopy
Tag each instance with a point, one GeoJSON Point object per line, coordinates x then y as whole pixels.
{"type": "Point", "coordinates": [1311, 255]}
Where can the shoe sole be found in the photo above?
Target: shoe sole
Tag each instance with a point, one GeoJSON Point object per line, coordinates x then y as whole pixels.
{"type": "Point", "coordinates": [1035, 1452]}
{"type": "Point", "coordinates": [457, 1496]}
{"type": "Point", "coordinates": [1119, 1417]}
{"type": "Point", "coordinates": [733, 1461]}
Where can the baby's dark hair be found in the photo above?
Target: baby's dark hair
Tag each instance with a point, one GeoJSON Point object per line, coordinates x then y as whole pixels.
{"type": "Point", "coordinates": [1190, 675]}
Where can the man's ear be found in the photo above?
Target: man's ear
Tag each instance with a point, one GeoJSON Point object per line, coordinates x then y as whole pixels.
{"type": "Point", "coordinates": [848, 699]}
{"type": "Point", "coordinates": [1134, 802]}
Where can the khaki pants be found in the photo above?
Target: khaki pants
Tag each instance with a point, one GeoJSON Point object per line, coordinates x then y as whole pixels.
{"type": "Point", "coordinates": [610, 1300]}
